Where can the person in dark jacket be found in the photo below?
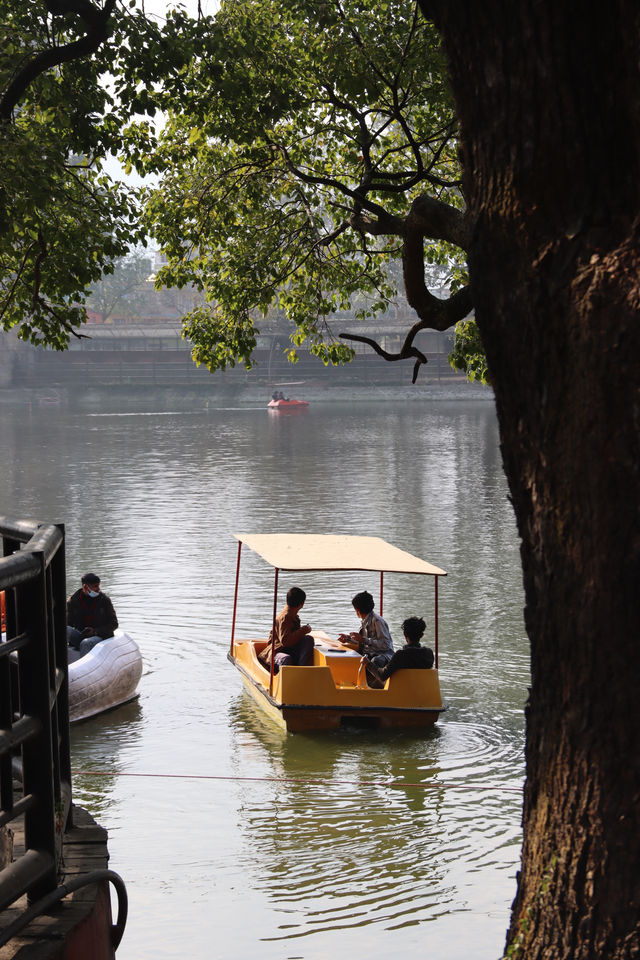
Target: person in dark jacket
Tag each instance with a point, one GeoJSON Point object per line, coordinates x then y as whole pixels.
{"type": "Point", "coordinates": [413, 656]}
{"type": "Point", "coordinates": [90, 615]}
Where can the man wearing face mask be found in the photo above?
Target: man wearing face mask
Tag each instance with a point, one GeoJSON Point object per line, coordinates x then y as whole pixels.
{"type": "Point", "coordinates": [90, 615]}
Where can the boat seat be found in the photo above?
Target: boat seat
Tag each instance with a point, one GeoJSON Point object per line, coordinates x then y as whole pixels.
{"type": "Point", "coordinates": [344, 666]}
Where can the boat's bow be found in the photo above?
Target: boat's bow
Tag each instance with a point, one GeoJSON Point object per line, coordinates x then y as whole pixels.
{"type": "Point", "coordinates": [105, 677]}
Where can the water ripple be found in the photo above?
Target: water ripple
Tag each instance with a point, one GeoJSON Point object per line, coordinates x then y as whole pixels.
{"type": "Point", "coordinates": [353, 844]}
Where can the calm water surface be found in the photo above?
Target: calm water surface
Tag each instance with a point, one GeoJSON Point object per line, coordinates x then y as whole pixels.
{"type": "Point", "coordinates": [236, 840]}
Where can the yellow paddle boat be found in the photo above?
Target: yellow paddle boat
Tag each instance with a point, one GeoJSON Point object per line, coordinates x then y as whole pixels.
{"type": "Point", "coordinates": [333, 692]}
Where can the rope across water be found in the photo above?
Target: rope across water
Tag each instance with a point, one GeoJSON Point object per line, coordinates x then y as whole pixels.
{"type": "Point", "coordinates": [402, 784]}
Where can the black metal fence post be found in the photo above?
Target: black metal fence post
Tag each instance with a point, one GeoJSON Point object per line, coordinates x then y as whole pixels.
{"type": "Point", "coordinates": [59, 602]}
{"type": "Point", "coordinates": [34, 715]}
{"type": "Point", "coordinates": [37, 752]}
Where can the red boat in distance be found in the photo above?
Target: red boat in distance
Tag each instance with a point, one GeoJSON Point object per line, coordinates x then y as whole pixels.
{"type": "Point", "coordinates": [286, 404]}
{"type": "Point", "coordinates": [279, 401]}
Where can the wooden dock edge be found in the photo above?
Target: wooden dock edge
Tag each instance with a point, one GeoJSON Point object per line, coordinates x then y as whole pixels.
{"type": "Point", "coordinates": [79, 927]}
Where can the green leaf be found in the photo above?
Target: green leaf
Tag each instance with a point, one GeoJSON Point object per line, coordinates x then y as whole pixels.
{"type": "Point", "coordinates": [289, 117]}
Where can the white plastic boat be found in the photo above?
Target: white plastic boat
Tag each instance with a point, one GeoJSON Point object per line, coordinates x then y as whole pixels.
{"type": "Point", "coordinates": [104, 678]}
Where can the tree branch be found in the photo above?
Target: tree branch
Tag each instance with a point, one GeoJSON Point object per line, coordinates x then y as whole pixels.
{"type": "Point", "coordinates": [438, 221]}
{"type": "Point", "coordinates": [16, 280]}
{"type": "Point", "coordinates": [97, 23]}
{"type": "Point", "coordinates": [42, 303]}
{"type": "Point", "coordinates": [442, 314]}
{"type": "Point", "coordinates": [385, 224]}
{"type": "Point", "coordinates": [406, 351]}
{"type": "Point", "coordinates": [427, 217]}
{"type": "Point", "coordinates": [323, 181]}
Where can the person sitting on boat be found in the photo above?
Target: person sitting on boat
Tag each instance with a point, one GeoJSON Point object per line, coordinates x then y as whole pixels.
{"type": "Point", "coordinates": [373, 640]}
{"type": "Point", "coordinates": [291, 641]}
{"type": "Point", "coordinates": [413, 656]}
{"type": "Point", "coordinates": [90, 615]}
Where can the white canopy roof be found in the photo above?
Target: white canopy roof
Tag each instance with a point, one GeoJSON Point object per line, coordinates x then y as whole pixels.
{"type": "Point", "coordinates": [316, 551]}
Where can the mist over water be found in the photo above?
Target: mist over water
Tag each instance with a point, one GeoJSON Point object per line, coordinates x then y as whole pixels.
{"type": "Point", "coordinates": [353, 844]}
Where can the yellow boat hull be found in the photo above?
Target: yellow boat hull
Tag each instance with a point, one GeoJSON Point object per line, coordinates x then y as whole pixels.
{"type": "Point", "coordinates": [333, 692]}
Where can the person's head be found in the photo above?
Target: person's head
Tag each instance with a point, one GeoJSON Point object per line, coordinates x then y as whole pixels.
{"type": "Point", "coordinates": [296, 597]}
{"type": "Point", "coordinates": [413, 628]}
{"type": "Point", "coordinates": [91, 584]}
{"type": "Point", "coordinates": [363, 603]}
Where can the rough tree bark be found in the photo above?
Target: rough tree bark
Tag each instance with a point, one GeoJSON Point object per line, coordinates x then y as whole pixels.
{"type": "Point", "coordinates": [548, 96]}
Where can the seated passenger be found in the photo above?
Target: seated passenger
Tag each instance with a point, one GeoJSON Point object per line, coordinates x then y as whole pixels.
{"type": "Point", "coordinates": [90, 615]}
{"type": "Point", "coordinates": [413, 656]}
{"type": "Point", "coordinates": [292, 642]}
{"type": "Point", "coordinates": [373, 640]}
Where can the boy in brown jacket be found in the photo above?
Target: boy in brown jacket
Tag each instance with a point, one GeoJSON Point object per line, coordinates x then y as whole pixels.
{"type": "Point", "coordinates": [292, 642]}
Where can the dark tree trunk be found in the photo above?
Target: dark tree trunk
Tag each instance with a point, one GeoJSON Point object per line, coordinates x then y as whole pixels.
{"type": "Point", "coordinates": [548, 97]}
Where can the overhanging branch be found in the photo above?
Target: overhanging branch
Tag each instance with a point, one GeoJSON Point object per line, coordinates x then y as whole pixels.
{"type": "Point", "coordinates": [437, 221]}
{"type": "Point", "coordinates": [97, 23]}
{"type": "Point", "coordinates": [404, 354]}
{"type": "Point", "coordinates": [442, 315]}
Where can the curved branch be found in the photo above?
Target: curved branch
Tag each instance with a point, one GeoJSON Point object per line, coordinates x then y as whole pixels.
{"type": "Point", "coordinates": [322, 181]}
{"type": "Point", "coordinates": [42, 303]}
{"type": "Point", "coordinates": [385, 224]}
{"type": "Point", "coordinates": [443, 314]}
{"type": "Point", "coordinates": [97, 22]}
{"type": "Point", "coordinates": [444, 223]}
{"type": "Point", "coordinates": [427, 217]}
{"type": "Point", "coordinates": [406, 351]}
{"type": "Point", "coordinates": [438, 221]}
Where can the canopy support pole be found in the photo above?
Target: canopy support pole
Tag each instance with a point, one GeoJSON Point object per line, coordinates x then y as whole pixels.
{"type": "Point", "coordinates": [273, 631]}
{"type": "Point", "coordinates": [235, 598]}
{"type": "Point", "coordinates": [436, 626]}
{"type": "Point", "coordinates": [381, 589]}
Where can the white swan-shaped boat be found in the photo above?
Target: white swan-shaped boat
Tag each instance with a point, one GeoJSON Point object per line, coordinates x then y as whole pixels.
{"type": "Point", "coordinates": [104, 678]}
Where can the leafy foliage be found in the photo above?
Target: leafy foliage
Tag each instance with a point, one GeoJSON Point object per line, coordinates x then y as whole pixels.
{"type": "Point", "coordinates": [308, 148]}
{"type": "Point", "coordinates": [298, 139]}
{"type": "Point", "coordinates": [468, 353]}
{"type": "Point", "coordinates": [63, 220]}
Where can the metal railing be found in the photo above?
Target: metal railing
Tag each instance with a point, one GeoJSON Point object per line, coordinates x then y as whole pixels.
{"type": "Point", "coordinates": [34, 704]}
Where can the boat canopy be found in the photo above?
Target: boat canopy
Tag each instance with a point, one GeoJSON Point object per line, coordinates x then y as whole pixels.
{"type": "Point", "coordinates": [311, 551]}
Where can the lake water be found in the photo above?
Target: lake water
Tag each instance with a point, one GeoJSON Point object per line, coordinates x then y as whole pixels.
{"type": "Point", "coordinates": [234, 839]}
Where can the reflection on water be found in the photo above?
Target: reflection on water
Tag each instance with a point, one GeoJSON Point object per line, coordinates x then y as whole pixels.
{"type": "Point", "coordinates": [363, 830]}
{"type": "Point", "coordinates": [234, 838]}
{"type": "Point", "coordinates": [93, 750]}
{"type": "Point", "coordinates": [331, 817]}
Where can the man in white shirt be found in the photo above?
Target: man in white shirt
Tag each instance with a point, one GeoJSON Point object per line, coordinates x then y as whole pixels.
{"type": "Point", "coordinates": [373, 639]}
